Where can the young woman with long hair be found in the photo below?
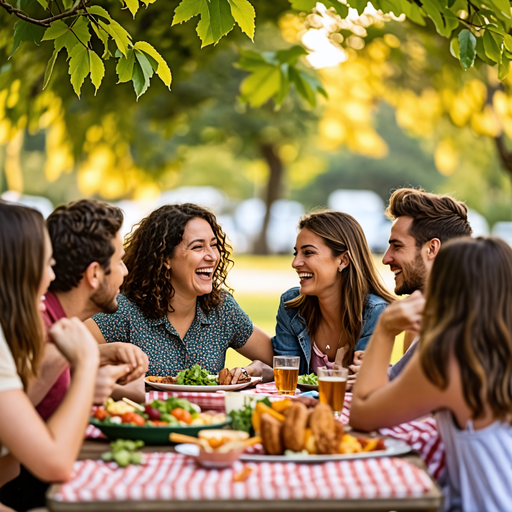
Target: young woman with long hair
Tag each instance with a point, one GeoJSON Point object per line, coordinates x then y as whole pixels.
{"type": "Point", "coordinates": [175, 304]}
{"type": "Point", "coordinates": [462, 370]}
{"type": "Point", "coordinates": [49, 449]}
{"type": "Point", "coordinates": [334, 311]}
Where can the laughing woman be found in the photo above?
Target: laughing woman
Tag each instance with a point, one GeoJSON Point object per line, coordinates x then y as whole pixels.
{"type": "Point", "coordinates": [340, 298]}
{"type": "Point", "coordinates": [173, 303]}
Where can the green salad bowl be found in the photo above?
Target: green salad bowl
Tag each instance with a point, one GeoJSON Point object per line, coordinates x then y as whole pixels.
{"type": "Point", "coordinates": [151, 435]}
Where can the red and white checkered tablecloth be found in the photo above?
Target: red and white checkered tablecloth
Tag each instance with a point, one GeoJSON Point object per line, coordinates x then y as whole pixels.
{"type": "Point", "coordinates": [172, 476]}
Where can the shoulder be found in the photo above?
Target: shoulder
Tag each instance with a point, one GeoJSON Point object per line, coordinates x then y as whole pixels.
{"type": "Point", "coordinates": [373, 300]}
{"type": "Point", "coordinates": [374, 305]}
{"type": "Point", "coordinates": [290, 294]}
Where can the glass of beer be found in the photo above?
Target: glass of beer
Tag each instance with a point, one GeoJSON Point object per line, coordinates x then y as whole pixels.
{"type": "Point", "coordinates": [286, 374]}
{"type": "Point", "coordinates": [332, 383]}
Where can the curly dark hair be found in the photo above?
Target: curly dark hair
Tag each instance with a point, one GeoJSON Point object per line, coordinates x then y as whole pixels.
{"type": "Point", "coordinates": [152, 243]}
{"type": "Point", "coordinates": [81, 233]}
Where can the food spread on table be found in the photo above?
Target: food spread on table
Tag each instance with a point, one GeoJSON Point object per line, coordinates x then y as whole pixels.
{"type": "Point", "coordinates": [288, 427]}
{"type": "Point", "coordinates": [124, 452]}
{"type": "Point", "coordinates": [309, 379]}
{"type": "Point", "coordinates": [219, 441]}
{"type": "Point", "coordinates": [196, 376]}
{"type": "Point", "coordinates": [172, 412]}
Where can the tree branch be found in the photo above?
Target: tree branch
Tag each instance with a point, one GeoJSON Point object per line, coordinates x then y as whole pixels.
{"type": "Point", "coordinates": [46, 22]}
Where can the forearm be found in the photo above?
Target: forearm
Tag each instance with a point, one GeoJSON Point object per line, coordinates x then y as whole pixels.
{"type": "Point", "coordinates": [260, 369]}
{"type": "Point", "coordinates": [374, 372]}
{"type": "Point", "coordinates": [51, 367]}
{"type": "Point", "coordinates": [9, 469]}
{"type": "Point", "coordinates": [135, 391]}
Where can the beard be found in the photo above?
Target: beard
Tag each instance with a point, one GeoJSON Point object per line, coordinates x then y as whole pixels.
{"type": "Point", "coordinates": [414, 275]}
{"type": "Point", "coordinates": [105, 299]}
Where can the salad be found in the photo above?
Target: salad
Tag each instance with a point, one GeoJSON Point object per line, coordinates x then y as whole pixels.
{"type": "Point", "coordinates": [173, 412]}
{"type": "Point", "coordinates": [196, 376]}
{"type": "Point", "coordinates": [310, 380]}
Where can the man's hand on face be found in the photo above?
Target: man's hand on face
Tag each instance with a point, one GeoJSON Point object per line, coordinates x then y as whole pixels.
{"type": "Point", "coordinates": [127, 354]}
{"type": "Point", "coordinates": [106, 379]}
{"type": "Point", "coordinates": [403, 315]}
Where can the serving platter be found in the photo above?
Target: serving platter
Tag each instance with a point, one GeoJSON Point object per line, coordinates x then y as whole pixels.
{"type": "Point", "coordinates": [307, 387]}
{"type": "Point", "coordinates": [394, 447]}
{"type": "Point", "coordinates": [151, 435]}
{"type": "Point", "coordinates": [201, 389]}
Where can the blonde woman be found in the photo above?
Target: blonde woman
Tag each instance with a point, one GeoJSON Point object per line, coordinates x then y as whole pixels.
{"type": "Point", "coordinates": [334, 311]}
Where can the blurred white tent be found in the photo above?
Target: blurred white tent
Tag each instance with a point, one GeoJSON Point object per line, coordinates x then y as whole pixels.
{"type": "Point", "coordinates": [209, 197]}
{"type": "Point", "coordinates": [368, 209]}
{"type": "Point", "coordinates": [478, 222]}
{"type": "Point", "coordinates": [41, 204]}
{"type": "Point", "coordinates": [504, 231]}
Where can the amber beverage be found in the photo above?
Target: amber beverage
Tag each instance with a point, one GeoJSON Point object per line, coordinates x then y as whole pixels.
{"type": "Point", "coordinates": [332, 384]}
{"type": "Point", "coordinates": [286, 380]}
{"type": "Point", "coordinates": [286, 374]}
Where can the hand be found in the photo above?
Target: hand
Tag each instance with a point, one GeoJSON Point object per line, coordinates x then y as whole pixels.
{"type": "Point", "coordinates": [125, 353]}
{"type": "Point", "coordinates": [75, 342]}
{"type": "Point", "coordinates": [403, 315]}
{"type": "Point", "coordinates": [255, 369]}
{"type": "Point", "coordinates": [354, 368]}
{"type": "Point", "coordinates": [106, 380]}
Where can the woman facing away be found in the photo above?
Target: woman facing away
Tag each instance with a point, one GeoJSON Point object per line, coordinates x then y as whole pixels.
{"type": "Point", "coordinates": [462, 370]}
{"type": "Point", "coordinates": [334, 311]}
{"type": "Point", "coordinates": [49, 449]}
{"type": "Point", "coordinates": [173, 304]}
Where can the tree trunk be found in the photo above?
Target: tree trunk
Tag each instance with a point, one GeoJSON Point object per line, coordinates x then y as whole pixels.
{"type": "Point", "coordinates": [274, 189]}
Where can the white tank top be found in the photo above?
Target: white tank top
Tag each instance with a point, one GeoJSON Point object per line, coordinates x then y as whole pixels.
{"type": "Point", "coordinates": [479, 465]}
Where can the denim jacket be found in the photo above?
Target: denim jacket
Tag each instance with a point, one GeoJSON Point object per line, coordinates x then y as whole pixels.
{"type": "Point", "coordinates": [292, 337]}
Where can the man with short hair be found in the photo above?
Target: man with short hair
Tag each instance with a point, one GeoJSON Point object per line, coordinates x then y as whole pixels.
{"type": "Point", "coordinates": [422, 222]}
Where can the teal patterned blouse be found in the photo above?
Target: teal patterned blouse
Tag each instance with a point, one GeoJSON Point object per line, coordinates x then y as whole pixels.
{"type": "Point", "coordinates": [205, 343]}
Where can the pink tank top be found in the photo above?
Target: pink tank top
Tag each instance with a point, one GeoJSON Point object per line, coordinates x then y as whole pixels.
{"type": "Point", "coordinates": [318, 358]}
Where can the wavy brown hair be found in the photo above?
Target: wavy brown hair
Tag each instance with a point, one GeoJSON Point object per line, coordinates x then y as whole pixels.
{"type": "Point", "coordinates": [22, 252]}
{"type": "Point", "coordinates": [152, 243]}
{"type": "Point", "coordinates": [468, 315]}
{"type": "Point", "coordinates": [343, 234]}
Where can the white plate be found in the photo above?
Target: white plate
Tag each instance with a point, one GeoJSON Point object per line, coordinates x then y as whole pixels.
{"type": "Point", "coordinates": [394, 447]}
{"type": "Point", "coordinates": [201, 389]}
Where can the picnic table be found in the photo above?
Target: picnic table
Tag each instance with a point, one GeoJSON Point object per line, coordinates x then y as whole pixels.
{"type": "Point", "coordinates": [170, 481]}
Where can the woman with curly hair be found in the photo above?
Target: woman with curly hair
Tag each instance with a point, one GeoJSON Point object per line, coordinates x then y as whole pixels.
{"type": "Point", "coordinates": [174, 304]}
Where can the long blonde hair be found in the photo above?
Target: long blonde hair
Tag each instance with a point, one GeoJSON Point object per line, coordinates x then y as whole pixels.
{"type": "Point", "coordinates": [343, 234]}
{"type": "Point", "coordinates": [22, 246]}
{"type": "Point", "coordinates": [468, 315]}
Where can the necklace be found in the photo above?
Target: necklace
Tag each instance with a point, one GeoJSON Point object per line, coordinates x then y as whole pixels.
{"type": "Point", "coordinates": [325, 337]}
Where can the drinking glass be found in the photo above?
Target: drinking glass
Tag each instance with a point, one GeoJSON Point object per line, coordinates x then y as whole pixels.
{"type": "Point", "coordinates": [286, 374]}
{"type": "Point", "coordinates": [332, 384]}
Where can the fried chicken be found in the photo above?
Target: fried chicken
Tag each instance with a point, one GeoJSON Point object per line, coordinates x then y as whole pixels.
{"type": "Point", "coordinates": [294, 429]}
{"type": "Point", "coordinates": [323, 425]}
{"type": "Point", "coordinates": [224, 377]}
{"type": "Point", "coordinates": [163, 380]}
{"type": "Point", "coordinates": [271, 435]}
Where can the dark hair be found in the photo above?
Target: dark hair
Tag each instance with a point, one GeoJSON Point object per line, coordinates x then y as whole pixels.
{"type": "Point", "coordinates": [152, 243]}
{"type": "Point", "coordinates": [22, 252]}
{"type": "Point", "coordinates": [434, 216]}
{"type": "Point", "coordinates": [81, 233]}
{"type": "Point", "coordinates": [468, 315]}
{"type": "Point", "coordinates": [342, 233]}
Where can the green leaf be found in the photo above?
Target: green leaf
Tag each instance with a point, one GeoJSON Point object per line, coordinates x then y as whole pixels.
{"type": "Point", "coordinates": [187, 9]}
{"type": "Point", "coordinates": [133, 6]}
{"type": "Point", "coordinates": [147, 2]}
{"type": "Point", "coordinates": [455, 48]}
{"type": "Point", "coordinates": [140, 82]}
{"type": "Point", "coordinates": [49, 68]}
{"type": "Point", "coordinates": [480, 51]}
{"type": "Point", "coordinates": [97, 70]}
{"type": "Point", "coordinates": [23, 4]}
{"type": "Point", "coordinates": [284, 86]}
{"type": "Point", "coordinates": [359, 5]}
{"type": "Point", "coordinates": [79, 67]}
{"type": "Point", "coordinates": [145, 65]}
{"type": "Point", "coordinates": [78, 32]}
{"type": "Point", "coordinates": [251, 60]}
{"type": "Point", "coordinates": [162, 70]}
{"type": "Point", "coordinates": [103, 36]}
{"type": "Point", "coordinates": [491, 46]}
{"type": "Point", "coordinates": [57, 28]}
{"type": "Point", "coordinates": [24, 31]}
{"type": "Point", "coordinates": [44, 3]}
{"type": "Point", "coordinates": [302, 86]}
{"type": "Point", "coordinates": [99, 11]}
{"type": "Point", "coordinates": [259, 87]}
{"type": "Point", "coordinates": [244, 15]}
{"type": "Point", "coordinates": [503, 7]}
{"type": "Point", "coordinates": [220, 18]}
{"type": "Point", "coordinates": [451, 22]}
{"type": "Point", "coordinates": [118, 34]}
{"type": "Point", "coordinates": [415, 14]}
{"type": "Point", "coordinates": [291, 55]}
{"type": "Point", "coordinates": [467, 42]}
{"type": "Point", "coordinates": [125, 67]}
{"type": "Point", "coordinates": [68, 4]}
{"type": "Point", "coordinates": [503, 67]}
{"type": "Point", "coordinates": [507, 41]}
{"type": "Point", "coordinates": [341, 9]}
{"type": "Point", "coordinates": [303, 5]}
{"type": "Point", "coordinates": [81, 30]}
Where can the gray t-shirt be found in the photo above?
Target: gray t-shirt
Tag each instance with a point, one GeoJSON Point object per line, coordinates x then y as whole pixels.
{"type": "Point", "coordinates": [394, 371]}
